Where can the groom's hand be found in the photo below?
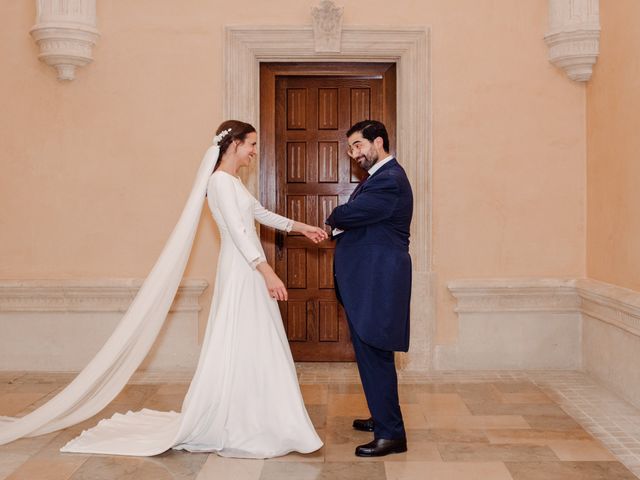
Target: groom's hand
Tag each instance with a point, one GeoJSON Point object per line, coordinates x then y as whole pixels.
{"type": "Point", "coordinates": [315, 234]}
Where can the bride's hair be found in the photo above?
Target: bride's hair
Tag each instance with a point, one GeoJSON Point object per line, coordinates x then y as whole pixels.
{"type": "Point", "coordinates": [237, 130]}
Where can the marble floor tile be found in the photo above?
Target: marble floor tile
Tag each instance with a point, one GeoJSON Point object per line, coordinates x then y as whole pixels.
{"type": "Point", "coordinates": [316, 394]}
{"type": "Point", "coordinates": [27, 445]}
{"type": "Point", "coordinates": [517, 387]}
{"type": "Point", "coordinates": [218, 468]}
{"type": "Point", "coordinates": [344, 388]}
{"type": "Point", "coordinates": [339, 431]}
{"type": "Point", "coordinates": [409, 393]}
{"type": "Point", "coordinates": [347, 404]}
{"type": "Point", "coordinates": [580, 450]}
{"type": "Point", "coordinates": [47, 468]}
{"type": "Point", "coordinates": [42, 400]}
{"type": "Point", "coordinates": [417, 451]}
{"type": "Point", "coordinates": [569, 471]}
{"type": "Point", "coordinates": [134, 396]}
{"type": "Point", "coordinates": [551, 422]}
{"type": "Point", "coordinates": [16, 402]}
{"type": "Point", "coordinates": [535, 398]}
{"type": "Point", "coordinates": [483, 422]}
{"type": "Point", "coordinates": [324, 471]}
{"type": "Point", "coordinates": [413, 415]}
{"type": "Point", "coordinates": [444, 435]}
{"type": "Point", "coordinates": [8, 377]}
{"type": "Point", "coordinates": [478, 392]}
{"type": "Point", "coordinates": [61, 378]}
{"type": "Point", "coordinates": [499, 408]}
{"type": "Point", "coordinates": [179, 389]}
{"type": "Point", "coordinates": [447, 471]}
{"type": "Point", "coordinates": [126, 468]}
{"type": "Point", "coordinates": [9, 462]}
{"type": "Point", "coordinates": [164, 402]}
{"type": "Point", "coordinates": [479, 452]}
{"type": "Point", "coordinates": [535, 436]}
{"type": "Point", "coordinates": [442, 404]}
{"type": "Point", "coordinates": [485, 425]}
{"type": "Point", "coordinates": [42, 388]}
{"type": "Point", "coordinates": [318, 415]}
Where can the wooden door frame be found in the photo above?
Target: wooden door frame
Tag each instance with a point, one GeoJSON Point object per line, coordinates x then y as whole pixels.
{"type": "Point", "coordinates": [269, 71]}
{"type": "Point", "coordinates": [245, 46]}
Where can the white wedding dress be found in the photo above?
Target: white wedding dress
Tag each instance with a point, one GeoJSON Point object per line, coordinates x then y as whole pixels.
{"type": "Point", "coordinates": [244, 400]}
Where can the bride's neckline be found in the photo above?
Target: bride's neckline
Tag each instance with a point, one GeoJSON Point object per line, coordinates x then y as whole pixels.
{"type": "Point", "coordinates": [227, 173]}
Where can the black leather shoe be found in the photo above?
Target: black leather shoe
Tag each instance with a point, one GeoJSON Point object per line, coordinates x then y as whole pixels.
{"type": "Point", "coordinates": [381, 447]}
{"type": "Point", "coordinates": [364, 425]}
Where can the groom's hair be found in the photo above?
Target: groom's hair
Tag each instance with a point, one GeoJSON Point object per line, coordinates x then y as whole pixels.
{"type": "Point", "coordinates": [371, 129]}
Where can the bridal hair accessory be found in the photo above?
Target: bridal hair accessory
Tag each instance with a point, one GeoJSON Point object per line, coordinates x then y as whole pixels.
{"type": "Point", "coordinates": [218, 138]}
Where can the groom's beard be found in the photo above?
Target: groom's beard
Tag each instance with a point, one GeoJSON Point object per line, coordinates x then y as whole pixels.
{"type": "Point", "coordinates": [368, 161]}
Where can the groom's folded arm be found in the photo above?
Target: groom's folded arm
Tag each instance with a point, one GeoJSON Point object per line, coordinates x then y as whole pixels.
{"type": "Point", "coordinates": [375, 202]}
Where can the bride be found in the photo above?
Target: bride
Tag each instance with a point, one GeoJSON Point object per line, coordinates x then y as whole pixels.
{"type": "Point", "coordinates": [244, 399]}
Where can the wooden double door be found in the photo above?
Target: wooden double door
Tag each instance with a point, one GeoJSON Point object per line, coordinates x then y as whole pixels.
{"type": "Point", "coordinates": [305, 112]}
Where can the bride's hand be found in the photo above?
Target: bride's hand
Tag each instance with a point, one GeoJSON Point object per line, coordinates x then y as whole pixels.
{"type": "Point", "coordinates": [275, 286]}
{"type": "Point", "coordinates": [315, 234]}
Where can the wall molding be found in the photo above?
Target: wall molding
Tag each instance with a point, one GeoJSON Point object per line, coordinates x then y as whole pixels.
{"type": "Point", "coordinates": [515, 295]}
{"type": "Point", "coordinates": [91, 295]}
{"type": "Point", "coordinates": [63, 323]}
{"type": "Point", "coordinates": [530, 323]}
{"type": "Point", "coordinates": [615, 305]}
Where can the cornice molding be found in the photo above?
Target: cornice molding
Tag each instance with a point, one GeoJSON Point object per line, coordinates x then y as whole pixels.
{"type": "Point", "coordinates": [602, 301]}
{"type": "Point", "coordinates": [91, 295]}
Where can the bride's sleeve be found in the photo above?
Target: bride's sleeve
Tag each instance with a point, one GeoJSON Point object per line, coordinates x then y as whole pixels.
{"type": "Point", "coordinates": [222, 192]}
{"type": "Point", "coordinates": [270, 219]}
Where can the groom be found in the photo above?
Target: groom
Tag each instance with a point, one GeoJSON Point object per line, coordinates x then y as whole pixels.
{"type": "Point", "coordinates": [373, 280]}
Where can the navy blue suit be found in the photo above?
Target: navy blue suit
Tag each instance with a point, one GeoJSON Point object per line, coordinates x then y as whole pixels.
{"type": "Point", "coordinates": [372, 270]}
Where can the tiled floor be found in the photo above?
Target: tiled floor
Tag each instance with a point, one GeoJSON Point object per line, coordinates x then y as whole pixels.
{"type": "Point", "coordinates": [481, 425]}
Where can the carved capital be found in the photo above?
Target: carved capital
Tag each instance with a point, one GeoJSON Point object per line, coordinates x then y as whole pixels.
{"type": "Point", "coordinates": [65, 31]}
{"type": "Point", "coordinates": [574, 36]}
{"type": "Point", "coordinates": [327, 26]}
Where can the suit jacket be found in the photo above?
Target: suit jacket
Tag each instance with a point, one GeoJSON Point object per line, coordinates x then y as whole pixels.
{"type": "Point", "coordinates": [372, 266]}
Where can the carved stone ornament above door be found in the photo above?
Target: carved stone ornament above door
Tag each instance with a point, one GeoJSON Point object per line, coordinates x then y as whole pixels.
{"type": "Point", "coordinates": [574, 36]}
{"type": "Point", "coordinates": [65, 31]}
{"type": "Point", "coordinates": [327, 26]}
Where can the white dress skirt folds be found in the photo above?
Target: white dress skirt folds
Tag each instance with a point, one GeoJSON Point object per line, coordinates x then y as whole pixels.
{"type": "Point", "coordinates": [244, 400]}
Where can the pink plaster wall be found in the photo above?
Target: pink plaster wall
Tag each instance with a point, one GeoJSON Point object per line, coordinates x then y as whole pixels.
{"type": "Point", "coordinates": [96, 171]}
{"type": "Point", "coordinates": [613, 166]}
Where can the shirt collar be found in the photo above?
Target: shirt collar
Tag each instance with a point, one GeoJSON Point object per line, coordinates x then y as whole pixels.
{"type": "Point", "coordinates": [379, 164]}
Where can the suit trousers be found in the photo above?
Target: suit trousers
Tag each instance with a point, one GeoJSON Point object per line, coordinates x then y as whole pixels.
{"type": "Point", "coordinates": [377, 370]}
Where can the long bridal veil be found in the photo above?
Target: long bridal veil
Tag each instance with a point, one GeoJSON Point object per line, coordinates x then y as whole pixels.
{"type": "Point", "coordinates": [108, 372]}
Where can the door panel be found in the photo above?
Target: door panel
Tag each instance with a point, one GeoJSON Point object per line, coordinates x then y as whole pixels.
{"type": "Point", "coordinates": [305, 173]}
